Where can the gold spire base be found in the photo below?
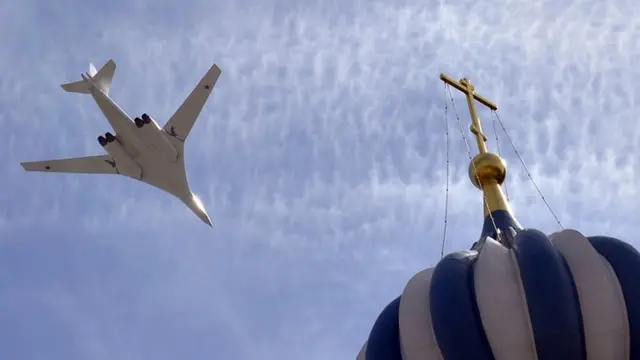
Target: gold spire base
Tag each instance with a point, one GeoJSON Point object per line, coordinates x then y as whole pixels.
{"type": "Point", "coordinates": [487, 172]}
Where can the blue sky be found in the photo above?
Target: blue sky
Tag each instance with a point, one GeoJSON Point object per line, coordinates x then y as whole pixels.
{"type": "Point", "coordinates": [320, 158]}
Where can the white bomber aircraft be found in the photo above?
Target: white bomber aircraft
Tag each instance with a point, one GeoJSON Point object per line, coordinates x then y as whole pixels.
{"type": "Point", "coordinates": [140, 148]}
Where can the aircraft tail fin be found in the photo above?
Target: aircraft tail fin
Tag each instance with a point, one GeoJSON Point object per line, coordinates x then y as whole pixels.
{"type": "Point", "coordinates": [101, 78]}
{"type": "Point", "coordinates": [92, 70]}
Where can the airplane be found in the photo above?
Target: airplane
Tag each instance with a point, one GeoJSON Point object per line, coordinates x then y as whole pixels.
{"type": "Point", "coordinates": [139, 148]}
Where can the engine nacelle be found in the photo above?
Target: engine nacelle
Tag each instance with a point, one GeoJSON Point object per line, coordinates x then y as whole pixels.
{"type": "Point", "coordinates": [154, 138]}
{"type": "Point", "coordinates": [124, 162]}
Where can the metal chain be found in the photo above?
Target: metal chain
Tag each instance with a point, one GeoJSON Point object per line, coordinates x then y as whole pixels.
{"type": "Point", "coordinates": [527, 170]}
{"type": "Point", "coordinates": [495, 132]}
{"type": "Point", "coordinates": [446, 199]}
{"type": "Point", "coordinates": [453, 104]}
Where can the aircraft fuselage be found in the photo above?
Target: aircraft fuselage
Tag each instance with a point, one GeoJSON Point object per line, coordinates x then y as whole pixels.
{"type": "Point", "coordinates": [142, 149]}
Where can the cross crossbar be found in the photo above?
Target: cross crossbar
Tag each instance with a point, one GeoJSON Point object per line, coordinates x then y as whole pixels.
{"type": "Point", "coordinates": [468, 89]}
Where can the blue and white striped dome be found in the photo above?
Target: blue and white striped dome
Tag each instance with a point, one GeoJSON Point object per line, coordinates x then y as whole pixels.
{"type": "Point", "coordinates": [566, 297]}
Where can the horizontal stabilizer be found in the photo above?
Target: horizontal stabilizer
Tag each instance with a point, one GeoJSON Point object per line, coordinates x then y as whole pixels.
{"type": "Point", "coordinates": [101, 78]}
{"type": "Point", "coordinates": [80, 86]}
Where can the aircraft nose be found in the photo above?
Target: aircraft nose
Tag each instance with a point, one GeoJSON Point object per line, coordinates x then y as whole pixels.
{"type": "Point", "coordinates": [206, 219]}
{"type": "Point", "coordinates": [198, 208]}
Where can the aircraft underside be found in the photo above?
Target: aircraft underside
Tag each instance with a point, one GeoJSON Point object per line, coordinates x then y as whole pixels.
{"type": "Point", "coordinates": [153, 139]}
{"type": "Point", "coordinates": [138, 148]}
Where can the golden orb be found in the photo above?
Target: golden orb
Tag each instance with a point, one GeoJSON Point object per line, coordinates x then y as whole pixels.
{"type": "Point", "coordinates": [487, 167]}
